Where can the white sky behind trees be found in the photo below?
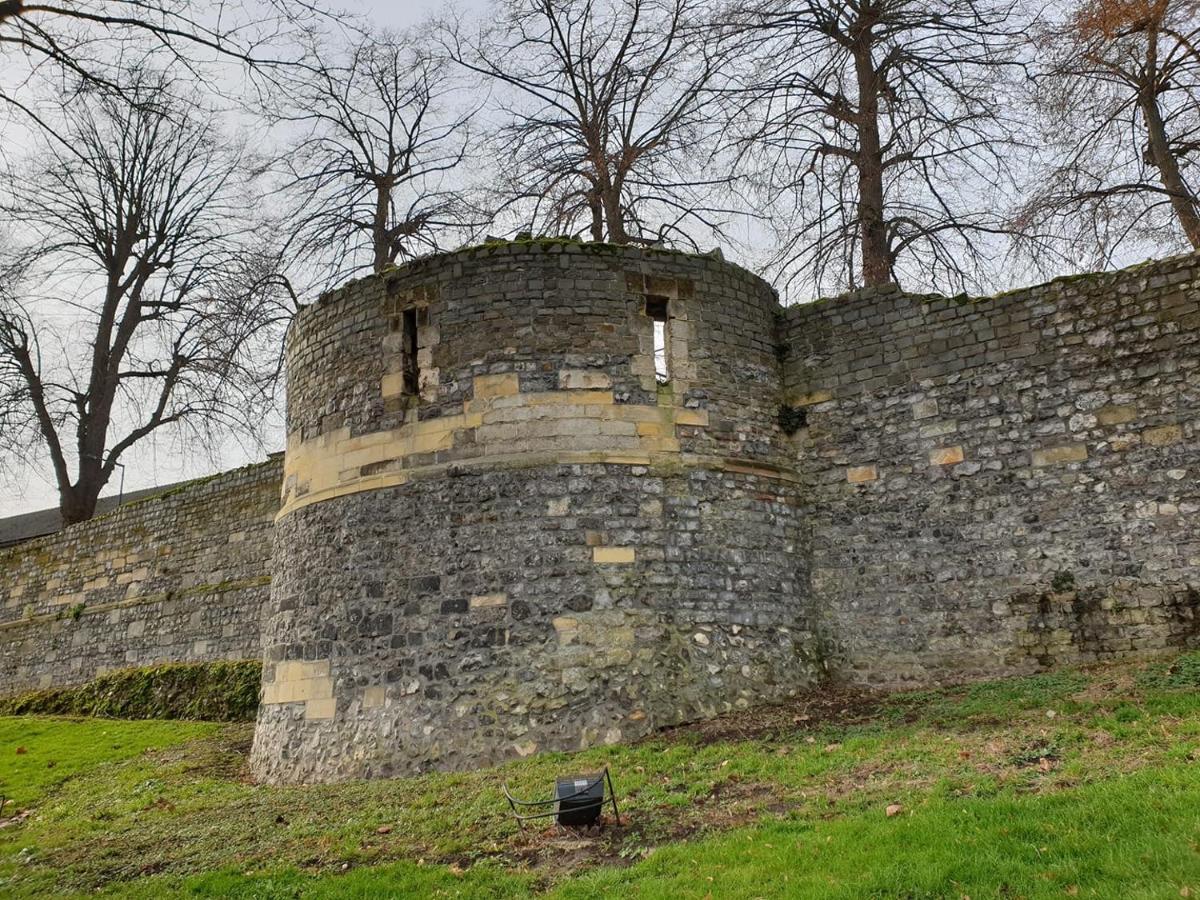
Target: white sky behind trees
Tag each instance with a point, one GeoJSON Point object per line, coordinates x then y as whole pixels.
{"type": "Point", "coordinates": [163, 458]}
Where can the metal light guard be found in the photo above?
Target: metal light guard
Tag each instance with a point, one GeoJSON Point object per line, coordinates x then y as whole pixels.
{"type": "Point", "coordinates": [609, 796]}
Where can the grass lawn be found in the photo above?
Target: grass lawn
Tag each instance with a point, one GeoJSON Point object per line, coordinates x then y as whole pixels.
{"type": "Point", "coordinates": [1079, 784]}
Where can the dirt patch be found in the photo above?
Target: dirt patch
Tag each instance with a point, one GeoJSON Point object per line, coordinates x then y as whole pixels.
{"type": "Point", "coordinates": [554, 851]}
{"type": "Point", "coordinates": [828, 704]}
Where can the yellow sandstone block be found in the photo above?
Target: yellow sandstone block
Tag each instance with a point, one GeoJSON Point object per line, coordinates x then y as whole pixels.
{"type": "Point", "coordinates": [1116, 415]}
{"type": "Point", "coordinates": [692, 417]}
{"type": "Point", "coordinates": [861, 474]}
{"type": "Point", "coordinates": [1065, 454]}
{"type": "Point", "coordinates": [1162, 436]}
{"type": "Point", "coordinates": [566, 628]}
{"type": "Point", "coordinates": [613, 555]}
{"type": "Point", "coordinates": [484, 601]}
{"type": "Point", "coordinates": [506, 385]}
{"type": "Point", "coordinates": [320, 709]}
{"type": "Point", "coordinates": [946, 456]}
{"type": "Point", "coordinates": [392, 385]}
{"type": "Point", "coordinates": [374, 696]}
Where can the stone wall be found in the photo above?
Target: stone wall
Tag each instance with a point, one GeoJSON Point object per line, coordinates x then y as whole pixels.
{"type": "Point", "coordinates": [177, 577]}
{"type": "Point", "coordinates": [502, 531]}
{"type": "Point", "coordinates": [525, 541]}
{"type": "Point", "coordinates": [1007, 483]}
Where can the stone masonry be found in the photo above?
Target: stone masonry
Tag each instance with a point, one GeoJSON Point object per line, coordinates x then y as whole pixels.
{"type": "Point", "coordinates": [546, 495]}
{"type": "Point", "coordinates": [181, 576]}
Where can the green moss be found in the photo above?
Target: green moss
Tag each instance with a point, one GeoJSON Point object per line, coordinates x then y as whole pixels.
{"type": "Point", "coordinates": [216, 691]}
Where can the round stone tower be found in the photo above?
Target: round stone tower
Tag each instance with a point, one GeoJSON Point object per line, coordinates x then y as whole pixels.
{"type": "Point", "coordinates": [535, 498]}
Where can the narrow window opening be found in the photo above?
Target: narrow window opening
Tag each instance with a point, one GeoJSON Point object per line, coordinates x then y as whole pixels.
{"type": "Point", "coordinates": [412, 371]}
{"type": "Point", "coordinates": [657, 311]}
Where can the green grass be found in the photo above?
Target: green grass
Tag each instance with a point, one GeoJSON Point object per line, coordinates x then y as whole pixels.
{"type": "Point", "coordinates": [38, 754]}
{"type": "Point", "coordinates": [1066, 784]}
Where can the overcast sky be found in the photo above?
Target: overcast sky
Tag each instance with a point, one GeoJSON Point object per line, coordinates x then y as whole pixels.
{"type": "Point", "coordinates": [164, 460]}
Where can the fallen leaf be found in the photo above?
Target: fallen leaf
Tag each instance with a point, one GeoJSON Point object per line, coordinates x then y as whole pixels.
{"type": "Point", "coordinates": [21, 751]}
{"type": "Point", "coordinates": [894, 809]}
{"type": "Point", "coordinates": [830, 748]}
{"type": "Point", "coordinates": [384, 829]}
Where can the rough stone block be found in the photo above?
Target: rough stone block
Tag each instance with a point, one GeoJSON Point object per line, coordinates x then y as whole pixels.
{"type": "Point", "coordinates": [861, 474]}
{"type": "Point", "coordinates": [1162, 436]}
{"type": "Point", "coordinates": [1116, 415]}
{"type": "Point", "coordinates": [1067, 453]}
{"type": "Point", "coordinates": [946, 456]}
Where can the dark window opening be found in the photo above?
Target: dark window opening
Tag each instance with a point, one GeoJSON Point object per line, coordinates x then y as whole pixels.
{"type": "Point", "coordinates": [412, 372]}
{"type": "Point", "coordinates": [792, 419]}
{"type": "Point", "coordinates": [657, 311]}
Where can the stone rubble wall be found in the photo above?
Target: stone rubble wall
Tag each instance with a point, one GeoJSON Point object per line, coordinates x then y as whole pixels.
{"type": "Point", "coordinates": [535, 545]}
{"type": "Point", "coordinates": [541, 548]}
{"type": "Point", "coordinates": [1003, 484]}
{"type": "Point", "coordinates": [180, 576]}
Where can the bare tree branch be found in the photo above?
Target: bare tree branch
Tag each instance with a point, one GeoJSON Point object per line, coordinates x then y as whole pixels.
{"type": "Point", "coordinates": [173, 293]}
{"type": "Point", "coordinates": [607, 105]}
{"type": "Point", "coordinates": [379, 130]}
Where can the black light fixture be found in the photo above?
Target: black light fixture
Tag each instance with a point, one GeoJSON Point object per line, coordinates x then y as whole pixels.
{"type": "Point", "coordinates": [576, 803]}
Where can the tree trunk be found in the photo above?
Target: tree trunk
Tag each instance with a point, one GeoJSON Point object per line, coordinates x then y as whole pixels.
{"type": "Point", "coordinates": [1183, 201]}
{"type": "Point", "coordinates": [876, 255]}
{"type": "Point", "coordinates": [380, 240]}
{"type": "Point", "coordinates": [77, 502]}
{"type": "Point", "coordinates": [597, 217]}
{"type": "Point", "coordinates": [615, 217]}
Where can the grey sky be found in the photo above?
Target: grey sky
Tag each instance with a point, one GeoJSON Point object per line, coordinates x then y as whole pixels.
{"type": "Point", "coordinates": [165, 459]}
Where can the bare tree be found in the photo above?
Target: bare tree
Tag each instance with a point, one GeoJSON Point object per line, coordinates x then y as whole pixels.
{"type": "Point", "coordinates": [79, 37]}
{"type": "Point", "coordinates": [1119, 92]}
{"type": "Point", "coordinates": [879, 131]}
{"type": "Point", "coordinates": [379, 130]}
{"type": "Point", "coordinates": [142, 297]}
{"type": "Point", "coordinates": [607, 114]}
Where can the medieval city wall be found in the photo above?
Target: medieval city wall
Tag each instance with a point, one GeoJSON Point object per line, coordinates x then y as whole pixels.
{"type": "Point", "coordinates": [503, 526]}
{"type": "Point", "coordinates": [176, 577]}
{"type": "Point", "coordinates": [1003, 484]}
{"type": "Point", "coordinates": [501, 534]}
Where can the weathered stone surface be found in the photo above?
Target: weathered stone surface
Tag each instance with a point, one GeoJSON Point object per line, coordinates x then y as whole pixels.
{"type": "Point", "coordinates": [1073, 403]}
{"type": "Point", "coordinates": [555, 552]}
{"type": "Point", "coordinates": [527, 543]}
{"type": "Point", "coordinates": [180, 577]}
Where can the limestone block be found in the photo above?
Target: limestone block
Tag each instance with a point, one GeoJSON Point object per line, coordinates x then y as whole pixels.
{"type": "Point", "coordinates": [925, 409]}
{"type": "Point", "coordinates": [583, 380]}
{"type": "Point", "coordinates": [946, 456]}
{"type": "Point", "coordinates": [861, 474]}
{"type": "Point", "coordinates": [1066, 453]}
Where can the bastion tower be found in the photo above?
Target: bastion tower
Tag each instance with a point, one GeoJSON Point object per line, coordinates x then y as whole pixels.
{"type": "Point", "coordinates": [536, 497]}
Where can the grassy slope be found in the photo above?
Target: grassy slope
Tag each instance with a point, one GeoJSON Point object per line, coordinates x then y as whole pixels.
{"type": "Point", "coordinates": [1075, 784]}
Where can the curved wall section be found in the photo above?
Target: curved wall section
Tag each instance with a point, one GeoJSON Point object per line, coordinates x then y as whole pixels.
{"type": "Point", "coordinates": [503, 532]}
